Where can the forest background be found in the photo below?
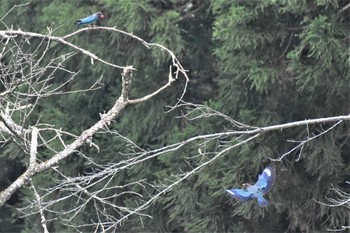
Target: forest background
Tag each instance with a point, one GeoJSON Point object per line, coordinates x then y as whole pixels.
{"type": "Point", "coordinates": [260, 63]}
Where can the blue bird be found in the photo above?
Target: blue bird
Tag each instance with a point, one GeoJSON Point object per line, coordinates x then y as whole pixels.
{"type": "Point", "coordinates": [90, 19]}
{"type": "Point", "coordinates": [258, 190]}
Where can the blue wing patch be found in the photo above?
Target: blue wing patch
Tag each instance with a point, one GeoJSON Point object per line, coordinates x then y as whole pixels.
{"type": "Point", "coordinates": [88, 19]}
{"type": "Point", "coordinates": [266, 179]}
{"type": "Point", "coordinates": [240, 194]}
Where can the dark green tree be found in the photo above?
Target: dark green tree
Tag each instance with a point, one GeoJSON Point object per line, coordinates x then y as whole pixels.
{"type": "Point", "coordinates": [251, 64]}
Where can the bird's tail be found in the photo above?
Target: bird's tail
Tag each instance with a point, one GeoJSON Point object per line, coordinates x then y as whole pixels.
{"type": "Point", "coordinates": [77, 22]}
{"type": "Point", "coordinates": [262, 202]}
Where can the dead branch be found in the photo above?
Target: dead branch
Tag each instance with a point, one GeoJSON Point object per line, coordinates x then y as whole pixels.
{"type": "Point", "coordinates": [80, 141]}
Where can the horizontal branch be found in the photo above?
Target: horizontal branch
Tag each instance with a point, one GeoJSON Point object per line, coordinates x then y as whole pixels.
{"type": "Point", "coordinates": [176, 146]}
{"type": "Point", "coordinates": [10, 32]}
{"type": "Point", "coordinates": [271, 128]}
{"type": "Point", "coordinates": [150, 154]}
{"type": "Point", "coordinates": [294, 124]}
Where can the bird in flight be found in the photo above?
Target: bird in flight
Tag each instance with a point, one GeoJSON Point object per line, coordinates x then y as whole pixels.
{"type": "Point", "coordinates": [258, 190]}
{"type": "Point", "coordinates": [90, 19]}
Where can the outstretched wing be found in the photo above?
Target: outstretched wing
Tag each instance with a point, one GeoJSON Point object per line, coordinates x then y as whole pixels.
{"type": "Point", "coordinates": [240, 194]}
{"type": "Point", "coordinates": [266, 179]}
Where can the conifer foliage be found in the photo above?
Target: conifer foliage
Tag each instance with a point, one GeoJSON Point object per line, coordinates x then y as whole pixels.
{"type": "Point", "coordinates": [252, 65]}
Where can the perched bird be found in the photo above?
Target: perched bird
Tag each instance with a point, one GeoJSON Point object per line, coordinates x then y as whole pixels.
{"type": "Point", "coordinates": [90, 19]}
{"type": "Point", "coordinates": [258, 190]}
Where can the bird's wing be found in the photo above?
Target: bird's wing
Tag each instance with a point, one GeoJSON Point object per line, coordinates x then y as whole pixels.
{"type": "Point", "coordinates": [266, 179]}
{"type": "Point", "coordinates": [240, 194]}
{"type": "Point", "coordinates": [89, 19]}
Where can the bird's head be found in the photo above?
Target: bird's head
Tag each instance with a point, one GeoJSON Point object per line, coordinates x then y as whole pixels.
{"type": "Point", "coordinates": [246, 185]}
{"type": "Point", "coordinates": [100, 15]}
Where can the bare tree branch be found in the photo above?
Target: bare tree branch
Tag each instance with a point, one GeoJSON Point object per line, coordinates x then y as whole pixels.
{"type": "Point", "coordinates": [80, 141]}
{"type": "Point", "coordinates": [302, 143]}
{"type": "Point", "coordinates": [41, 211]}
{"type": "Point", "coordinates": [9, 32]}
{"type": "Point", "coordinates": [184, 177]}
{"type": "Point", "coordinates": [342, 199]}
{"type": "Point", "coordinates": [82, 189]}
{"type": "Point", "coordinates": [344, 8]}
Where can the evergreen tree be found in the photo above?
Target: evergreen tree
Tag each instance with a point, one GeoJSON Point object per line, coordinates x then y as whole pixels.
{"type": "Point", "coordinates": [258, 62]}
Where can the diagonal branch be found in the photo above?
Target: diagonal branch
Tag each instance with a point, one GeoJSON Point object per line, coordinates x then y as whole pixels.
{"type": "Point", "coordinates": [85, 137]}
{"type": "Point", "coordinates": [184, 177]}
